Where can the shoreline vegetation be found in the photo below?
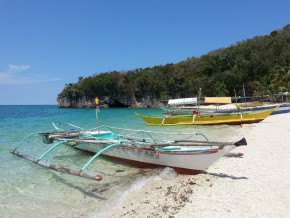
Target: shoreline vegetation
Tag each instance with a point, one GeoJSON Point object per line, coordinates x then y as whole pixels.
{"type": "Point", "coordinates": [256, 185]}
{"type": "Point", "coordinates": [261, 65]}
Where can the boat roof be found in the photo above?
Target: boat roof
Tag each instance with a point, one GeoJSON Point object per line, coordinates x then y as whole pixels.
{"type": "Point", "coordinates": [182, 101]}
{"type": "Point", "coordinates": [218, 100]}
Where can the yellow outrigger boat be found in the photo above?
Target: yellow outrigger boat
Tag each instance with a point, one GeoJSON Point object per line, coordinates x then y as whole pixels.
{"type": "Point", "coordinates": [197, 118]}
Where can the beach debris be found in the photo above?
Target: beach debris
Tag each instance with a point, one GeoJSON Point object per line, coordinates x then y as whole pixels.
{"type": "Point", "coordinates": [234, 154]}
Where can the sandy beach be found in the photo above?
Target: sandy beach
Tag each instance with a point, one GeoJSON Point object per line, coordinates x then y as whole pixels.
{"type": "Point", "coordinates": [255, 185]}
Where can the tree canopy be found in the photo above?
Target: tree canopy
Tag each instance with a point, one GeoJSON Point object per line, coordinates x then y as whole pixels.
{"type": "Point", "coordinates": [261, 64]}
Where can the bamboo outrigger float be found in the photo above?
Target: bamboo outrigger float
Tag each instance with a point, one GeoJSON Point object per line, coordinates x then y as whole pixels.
{"type": "Point", "coordinates": [62, 169]}
{"type": "Point", "coordinates": [137, 147]}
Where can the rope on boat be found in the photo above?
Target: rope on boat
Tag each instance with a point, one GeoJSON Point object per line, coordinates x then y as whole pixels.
{"type": "Point", "coordinates": [61, 130]}
{"type": "Point", "coordinates": [74, 126]}
{"type": "Point", "coordinates": [56, 128]}
{"type": "Point", "coordinates": [148, 131]}
{"type": "Point", "coordinates": [113, 129]}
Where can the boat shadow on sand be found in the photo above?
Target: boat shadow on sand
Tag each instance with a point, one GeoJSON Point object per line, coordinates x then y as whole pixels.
{"type": "Point", "coordinates": [222, 175]}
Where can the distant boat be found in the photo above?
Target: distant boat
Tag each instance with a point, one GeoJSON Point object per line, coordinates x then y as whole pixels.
{"type": "Point", "coordinates": [216, 105]}
{"type": "Point", "coordinates": [185, 106]}
{"type": "Point", "coordinates": [284, 108]}
{"type": "Point", "coordinates": [198, 118]}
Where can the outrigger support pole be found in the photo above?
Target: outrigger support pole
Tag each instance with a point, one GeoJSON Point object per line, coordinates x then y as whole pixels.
{"type": "Point", "coordinates": [50, 149]}
{"type": "Point", "coordinates": [99, 153]}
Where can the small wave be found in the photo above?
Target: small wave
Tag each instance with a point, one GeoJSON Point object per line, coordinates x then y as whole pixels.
{"type": "Point", "coordinates": [137, 185]}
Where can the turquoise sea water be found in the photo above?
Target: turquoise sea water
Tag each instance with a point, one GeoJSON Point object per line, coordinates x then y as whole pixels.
{"type": "Point", "coordinates": [28, 190]}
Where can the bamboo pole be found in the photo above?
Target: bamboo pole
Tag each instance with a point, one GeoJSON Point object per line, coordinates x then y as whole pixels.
{"type": "Point", "coordinates": [54, 167]}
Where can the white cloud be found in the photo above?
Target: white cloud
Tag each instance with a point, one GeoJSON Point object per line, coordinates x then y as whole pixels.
{"type": "Point", "coordinates": [12, 76]}
{"type": "Point", "coordinates": [13, 68]}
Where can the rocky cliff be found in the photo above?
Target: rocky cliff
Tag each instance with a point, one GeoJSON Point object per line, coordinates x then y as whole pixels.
{"type": "Point", "coordinates": [110, 101]}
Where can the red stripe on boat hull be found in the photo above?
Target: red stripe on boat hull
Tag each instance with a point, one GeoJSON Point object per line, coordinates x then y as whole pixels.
{"type": "Point", "coordinates": [150, 165]}
{"type": "Point", "coordinates": [239, 122]}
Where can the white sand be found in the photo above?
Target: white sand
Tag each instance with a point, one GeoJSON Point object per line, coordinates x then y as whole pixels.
{"type": "Point", "coordinates": [256, 185]}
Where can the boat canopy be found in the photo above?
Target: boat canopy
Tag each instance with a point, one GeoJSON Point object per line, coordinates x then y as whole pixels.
{"type": "Point", "coordinates": [182, 101]}
{"type": "Point", "coordinates": [218, 100]}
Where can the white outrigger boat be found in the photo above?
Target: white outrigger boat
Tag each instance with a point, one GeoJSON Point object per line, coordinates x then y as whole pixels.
{"type": "Point", "coordinates": [177, 150]}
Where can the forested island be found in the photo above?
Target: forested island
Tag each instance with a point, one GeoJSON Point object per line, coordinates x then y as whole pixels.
{"type": "Point", "coordinates": [260, 64]}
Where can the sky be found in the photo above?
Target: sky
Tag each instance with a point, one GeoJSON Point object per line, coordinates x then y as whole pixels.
{"type": "Point", "coordinates": [46, 44]}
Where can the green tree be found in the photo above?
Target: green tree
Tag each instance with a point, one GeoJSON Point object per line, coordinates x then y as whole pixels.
{"type": "Point", "coordinates": [219, 89]}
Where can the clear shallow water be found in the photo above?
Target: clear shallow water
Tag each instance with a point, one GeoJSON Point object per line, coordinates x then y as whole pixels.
{"type": "Point", "coordinates": [28, 190]}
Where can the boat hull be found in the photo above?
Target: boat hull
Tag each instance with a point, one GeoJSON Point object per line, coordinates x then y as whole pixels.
{"type": "Point", "coordinates": [284, 108]}
{"type": "Point", "coordinates": [224, 109]}
{"type": "Point", "coordinates": [213, 119]}
{"type": "Point", "coordinates": [184, 162]}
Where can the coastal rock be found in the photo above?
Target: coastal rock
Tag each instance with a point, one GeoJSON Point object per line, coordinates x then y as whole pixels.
{"type": "Point", "coordinates": [110, 101]}
{"type": "Point", "coordinates": [64, 102]}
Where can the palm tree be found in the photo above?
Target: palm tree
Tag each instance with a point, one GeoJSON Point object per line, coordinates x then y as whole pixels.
{"type": "Point", "coordinates": [265, 86]}
{"type": "Point", "coordinates": [281, 79]}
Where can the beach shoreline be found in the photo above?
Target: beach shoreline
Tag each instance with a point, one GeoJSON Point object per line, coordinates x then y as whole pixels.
{"type": "Point", "coordinates": [255, 185]}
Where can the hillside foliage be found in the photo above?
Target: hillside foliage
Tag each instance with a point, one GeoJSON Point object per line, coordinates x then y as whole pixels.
{"type": "Point", "coordinates": [261, 64]}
